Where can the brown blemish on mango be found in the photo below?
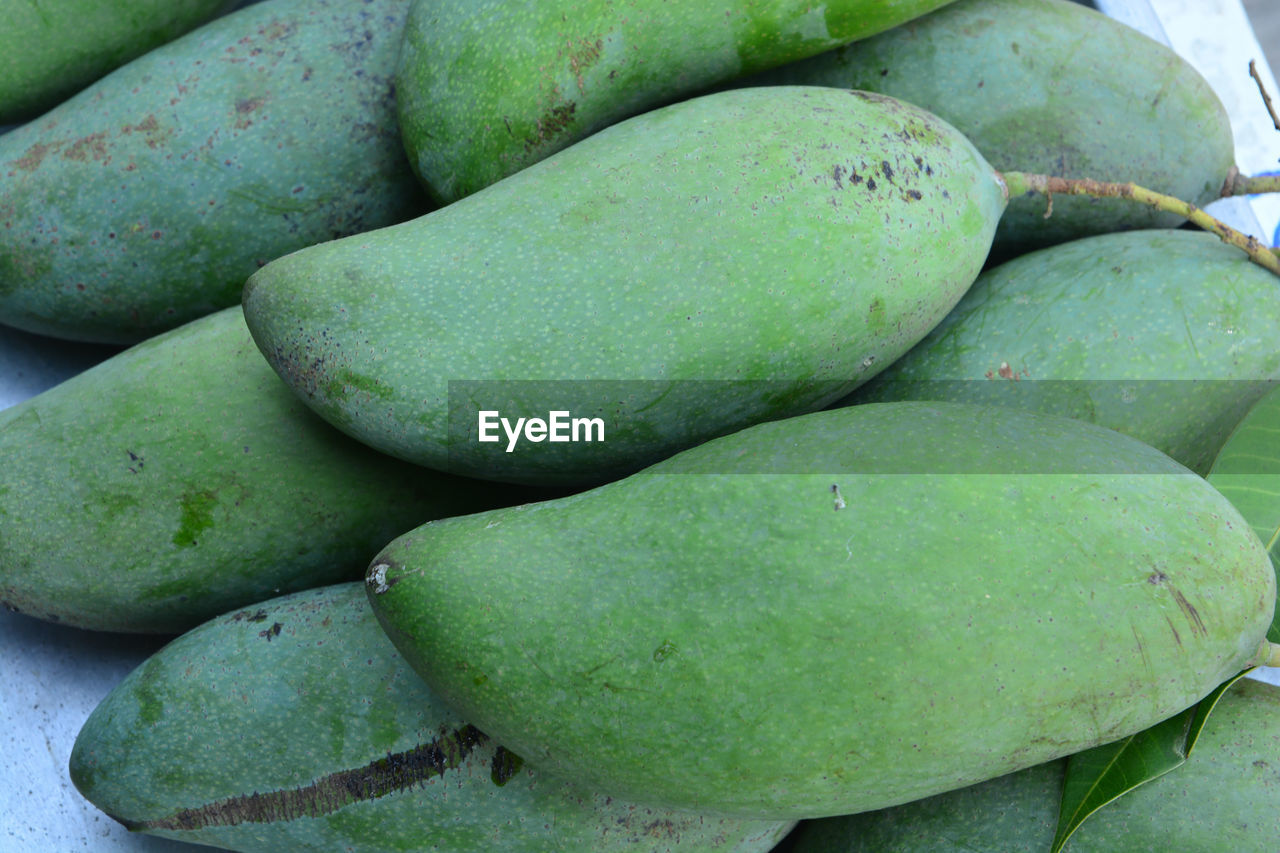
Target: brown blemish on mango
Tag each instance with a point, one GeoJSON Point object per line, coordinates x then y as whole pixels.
{"type": "Point", "coordinates": [396, 772]}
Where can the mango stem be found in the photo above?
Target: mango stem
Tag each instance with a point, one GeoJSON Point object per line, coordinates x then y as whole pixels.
{"type": "Point", "coordinates": [1268, 654]}
{"type": "Point", "coordinates": [1024, 183]}
{"type": "Point", "coordinates": [1238, 184]}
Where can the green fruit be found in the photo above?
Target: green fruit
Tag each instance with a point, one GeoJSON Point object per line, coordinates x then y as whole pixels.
{"type": "Point", "coordinates": [1225, 797]}
{"type": "Point", "coordinates": [1167, 336]}
{"type": "Point", "coordinates": [837, 612]}
{"type": "Point", "coordinates": [1247, 472]}
{"type": "Point", "coordinates": [52, 48]}
{"type": "Point", "coordinates": [180, 479]}
{"type": "Point", "coordinates": [729, 259]}
{"type": "Point", "coordinates": [483, 91]}
{"type": "Point", "coordinates": [294, 725]}
{"type": "Point", "coordinates": [1053, 87]}
{"type": "Point", "coordinates": [148, 199]}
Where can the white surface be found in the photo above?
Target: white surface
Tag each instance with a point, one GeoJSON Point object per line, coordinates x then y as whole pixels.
{"type": "Point", "coordinates": [51, 677]}
{"type": "Point", "coordinates": [1215, 36]}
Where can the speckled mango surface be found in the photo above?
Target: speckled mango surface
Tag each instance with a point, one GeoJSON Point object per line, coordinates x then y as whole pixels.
{"type": "Point", "coordinates": [180, 479]}
{"type": "Point", "coordinates": [1226, 797]}
{"type": "Point", "coordinates": [484, 89]}
{"type": "Point", "coordinates": [51, 49]}
{"type": "Point", "coordinates": [146, 200]}
{"type": "Point", "coordinates": [294, 725]}
{"type": "Point", "coordinates": [729, 259]}
{"type": "Point", "coordinates": [837, 612]}
{"type": "Point", "coordinates": [1050, 86]}
{"type": "Point", "coordinates": [1165, 335]}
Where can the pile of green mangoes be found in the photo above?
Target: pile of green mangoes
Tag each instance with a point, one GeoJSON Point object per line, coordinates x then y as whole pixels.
{"type": "Point", "coordinates": [622, 425]}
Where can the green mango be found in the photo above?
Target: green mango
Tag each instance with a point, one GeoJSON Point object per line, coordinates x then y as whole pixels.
{"type": "Point", "coordinates": [294, 725]}
{"type": "Point", "coordinates": [679, 275]}
{"type": "Point", "coordinates": [837, 612]}
{"type": "Point", "coordinates": [1226, 797]}
{"type": "Point", "coordinates": [1164, 335]}
{"type": "Point", "coordinates": [483, 92]}
{"type": "Point", "coordinates": [52, 48]}
{"type": "Point", "coordinates": [1053, 87]}
{"type": "Point", "coordinates": [146, 200]}
{"type": "Point", "coordinates": [180, 479]}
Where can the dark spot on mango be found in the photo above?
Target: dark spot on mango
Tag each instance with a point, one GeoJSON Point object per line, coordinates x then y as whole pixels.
{"type": "Point", "coordinates": [34, 157]}
{"type": "Point", "coordinates": [876, 314]}
{"type": "Point", "coordinates": [245, 615]}
{"type": "Point", "coordinates": [396, 772]}
{"type": "Point", "coordinates": [244, 108]}
{"type": "Point", "coordinates": [93, 146]}
{"type": "Point", "coordinates": [506, 764]}
{"type": "Point", "coordinates": [584, 58]}
{"type": "Point", "coordinates": [660, 829]}
{"type": "Point", "coordinates": [147, 125]}
{"type": "Point", "coordinates": [553, 123]}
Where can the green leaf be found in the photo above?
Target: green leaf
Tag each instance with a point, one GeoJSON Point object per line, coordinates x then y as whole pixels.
{"type": "Point", "coordinates": [1202, 709]}
{"type": "Point", "coordinates": [1101, 775]}
{"type": "Point", "coordinates": [1247, 473]}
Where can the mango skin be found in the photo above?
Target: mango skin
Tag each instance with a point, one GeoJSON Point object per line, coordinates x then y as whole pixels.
{"type": "Point", "coordinates": [729, 259]}
{"type": "Point", "coordinates": [146, 200]}
{"type": "Point", "coordinates": [1226, 797]}
{"type": "Point", "coordinates": [296, 692]}
{"type": "Point", "coordinates": [1164, 335]}
{"type": "Point", "coordinates": [50, 50]}
{"type": "Point", "coordinates": [837, 612]}
{"type": "Point", "coordinates": [180, 479]}
{"type": "Point", "coordinates": [1049, 86]}
{"type": "Point", "coordinates": [484, 90]}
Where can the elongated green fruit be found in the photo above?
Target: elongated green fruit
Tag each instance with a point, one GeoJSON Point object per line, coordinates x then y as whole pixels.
{"type": "Point", "coordinates": [836, 612]}
{"type": "Point", "coordinates": [486, 89]}
{"type": "Point", "coordinates": [51, 49]}
{"type": "Point", "coordinates": [1224, 798]}
{"type": "Point", "coordinates": [729, 259]}
{"type": "Point", "coordinates": [180, 479]}
{"type": "Point", "coordinates": [1247, 471]}
{"type": "Point", "coordinates": [294, 725]}
{"type": "Point", "coordinates": [1168, 336]}
{"type": "Point", "coordinates": [146, 200]}
{"type": "Point", "coordinates": [1049, 86]}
